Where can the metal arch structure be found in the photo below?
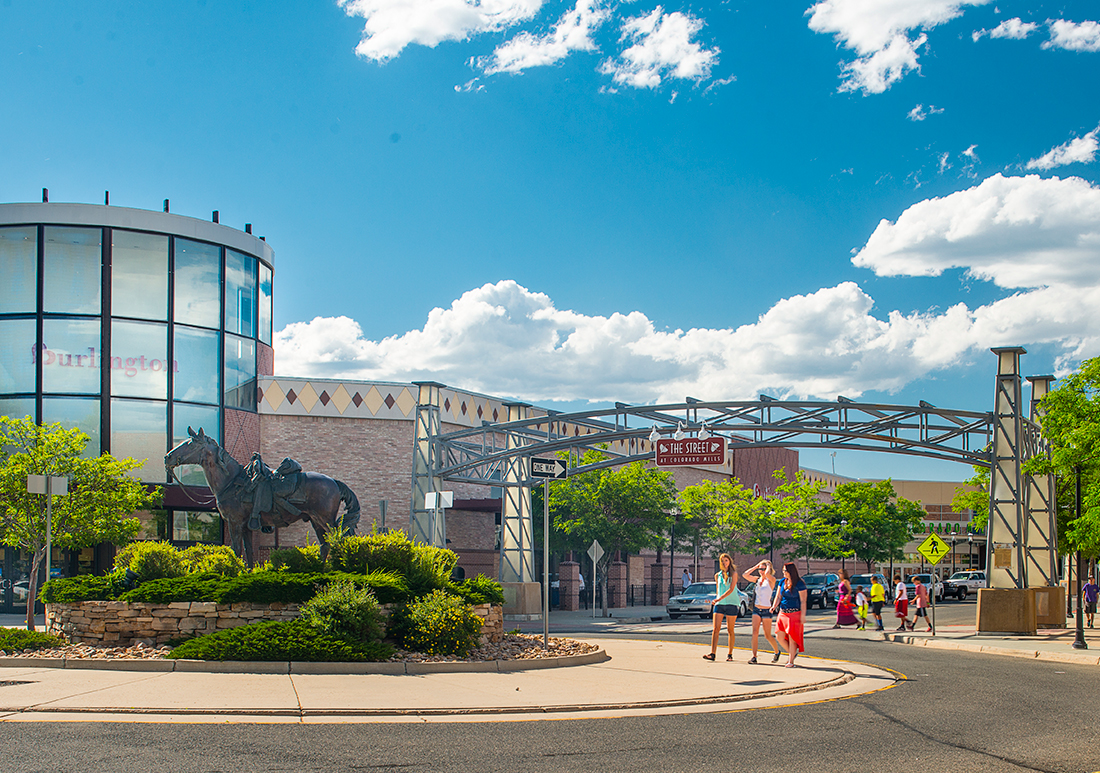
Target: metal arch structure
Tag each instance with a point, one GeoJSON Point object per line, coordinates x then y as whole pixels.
{"type": "Point", "coordinates": [498, 453]}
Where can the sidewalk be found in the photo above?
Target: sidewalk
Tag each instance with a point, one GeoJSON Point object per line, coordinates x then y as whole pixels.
{"type": "Point", "coordinates": [1053, 644]}
{"type": "Point", "coordinates": [640, 678]}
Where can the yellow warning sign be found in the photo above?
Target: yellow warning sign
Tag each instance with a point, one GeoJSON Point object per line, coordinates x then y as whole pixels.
{"type": "Point", "coordinates": [933, 548]}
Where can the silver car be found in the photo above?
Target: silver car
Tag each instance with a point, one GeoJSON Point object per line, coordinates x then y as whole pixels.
{"type": "Point", "coordinates": [696, 599]}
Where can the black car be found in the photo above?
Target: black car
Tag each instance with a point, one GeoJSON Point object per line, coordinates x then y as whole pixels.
{"type": "Point", "coordinates": [821, 589]}
{"type": "Point", "coordinates": [866, 580]}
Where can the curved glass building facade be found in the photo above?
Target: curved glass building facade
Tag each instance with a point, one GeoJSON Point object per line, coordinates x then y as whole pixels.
{"type": "Point", "coordinates": [132, 325]}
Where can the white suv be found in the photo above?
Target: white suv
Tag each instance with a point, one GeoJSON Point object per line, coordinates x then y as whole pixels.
{"type": "Point", "coordinates": [962, 583]}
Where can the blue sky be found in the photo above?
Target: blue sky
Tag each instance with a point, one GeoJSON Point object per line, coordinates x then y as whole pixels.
{"type": "Point", "coordinates": [599, 201]}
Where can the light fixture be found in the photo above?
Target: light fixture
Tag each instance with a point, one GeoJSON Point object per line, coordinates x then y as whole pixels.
{"type": "Point", "coordinates": [704, 432]}
{"type": "Point", "coordinates": [679, 433]}
{"type": "Point", "coordinates": [654, 435]}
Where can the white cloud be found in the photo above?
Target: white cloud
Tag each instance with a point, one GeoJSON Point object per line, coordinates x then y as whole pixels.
{"type": "Point", "coordinates": [971, 153]}
{"type": "Point", "coordinates": [1019, 232]}
{"type": "Point", "coordinates": [393, 24]}
{"type": "Point", "coordinates": [572, 32]}
{"type": "Point", "coordinates": [1079, 150]}
{"type": "Point", "coordinates": [1012, 29]}
{"type": "Point", "coordinates": [662, 48]}
{"type": "Point", "coordinates": [878, 32]}
{"type": "Point", "coordinates": [1038, 237]}
{"type": "Point", "coordinates": [918, 113]}
{"type": "Point", "coordinates": [1074, 37]}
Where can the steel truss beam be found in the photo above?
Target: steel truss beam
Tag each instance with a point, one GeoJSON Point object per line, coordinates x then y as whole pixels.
{"type": "Point", "coordinates": [481, 454]}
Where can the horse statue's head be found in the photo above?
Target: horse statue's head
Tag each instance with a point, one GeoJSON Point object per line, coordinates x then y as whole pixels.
{"type": "Point", "coordinates": [191, 451]}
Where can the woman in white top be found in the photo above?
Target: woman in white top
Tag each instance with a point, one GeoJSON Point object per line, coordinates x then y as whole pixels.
{"type": "Point", "coordinates": [764, 577]}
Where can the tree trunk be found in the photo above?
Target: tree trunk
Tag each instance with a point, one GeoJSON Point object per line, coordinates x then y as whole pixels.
{"type": "Point", "coordinates": [32, 587]}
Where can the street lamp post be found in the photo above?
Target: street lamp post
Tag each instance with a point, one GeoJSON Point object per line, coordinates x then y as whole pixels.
{"type": "Point", "coordinates": [1079, 642]}
{"type": "Point", "coordinates": [843, 528]}
{"type": "Point", "coordinates": [953, 541]}
{"type": "Point", "coordinates": [970, 553]}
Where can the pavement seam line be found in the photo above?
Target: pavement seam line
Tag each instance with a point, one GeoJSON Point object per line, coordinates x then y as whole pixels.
{"type": "Point", "coordinates": [47, 705]}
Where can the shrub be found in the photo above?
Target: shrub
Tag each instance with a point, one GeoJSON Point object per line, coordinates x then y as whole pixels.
{"type": "Point", "coordinates": [301, 560]}
{"type": "Point", "coordinates": [345, 611]}
{"type": "Point", "coordinates": [269, 587]}
{"type": "Point", "coordinates": [12, 639]}
{"type": "Point", "coordinates": [478, 590]}
{"type": "Point", "coordinates": [218, 559]}
{"type": "Point", "coordinates": [193, 587]}
{"type": "Point", "coordinates": [425, 568]}
{"type": "Point", "coordinates": [150, 560]}
{"type": "Point", "coordinates": [83, 588]}
{"type": "Point", "coordinates": [438, 624]}
{"type": "Point", "coordinates": [294, 640]}
{"type": "Point", "coordinates": [388, 587]}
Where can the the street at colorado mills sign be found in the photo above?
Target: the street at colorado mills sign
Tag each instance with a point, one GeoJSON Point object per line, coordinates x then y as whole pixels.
{"type": "Point", "coordinates": [691, 452]}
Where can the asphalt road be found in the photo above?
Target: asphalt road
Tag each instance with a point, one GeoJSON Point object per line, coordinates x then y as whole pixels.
{"type": "Point", "coordinates": [954, 711]}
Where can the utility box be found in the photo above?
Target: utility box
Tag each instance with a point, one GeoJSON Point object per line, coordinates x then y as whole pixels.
{"type": "Point", "coordinates": [1007, 610]}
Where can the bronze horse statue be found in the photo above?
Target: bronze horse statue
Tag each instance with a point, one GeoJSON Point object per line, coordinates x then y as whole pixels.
{"type": "Point", "coordinates": [315, 498]}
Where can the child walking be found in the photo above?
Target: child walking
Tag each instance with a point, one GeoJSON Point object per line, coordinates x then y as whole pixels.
{"type": "Point", "coordinates": [861, 608]}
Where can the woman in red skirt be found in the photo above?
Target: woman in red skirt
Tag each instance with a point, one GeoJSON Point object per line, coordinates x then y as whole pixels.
{"type": "Point", "coordinates": [790, 601]}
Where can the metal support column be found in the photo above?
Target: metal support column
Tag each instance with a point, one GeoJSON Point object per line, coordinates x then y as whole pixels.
{"type": "Point", "coordinates": [1040, 536]}
{"type": "Point", "coordinates": [1005, 563]}
{"type": "Point", "coordinates": [517, 550]}
{"type": "Point", "coordinates": [423, 525]}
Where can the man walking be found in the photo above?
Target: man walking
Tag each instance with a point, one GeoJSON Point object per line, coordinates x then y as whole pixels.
{"type": "Point", "coordinates": [1090, 591]}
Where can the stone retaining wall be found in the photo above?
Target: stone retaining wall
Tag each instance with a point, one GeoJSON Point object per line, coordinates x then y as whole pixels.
{"type": "Point", "coordinates": [121, 623]}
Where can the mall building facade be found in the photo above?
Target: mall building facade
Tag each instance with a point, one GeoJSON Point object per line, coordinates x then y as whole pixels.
{"type": "Point", "coordinates": [135, 325]}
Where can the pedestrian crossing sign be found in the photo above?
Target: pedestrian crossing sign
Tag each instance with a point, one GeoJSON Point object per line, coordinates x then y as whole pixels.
{"type": "Point", "coordinates": [933, 548]}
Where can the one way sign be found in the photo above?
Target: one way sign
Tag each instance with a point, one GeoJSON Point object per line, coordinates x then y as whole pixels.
{"type": "Point", "coordinates": [547, 468]}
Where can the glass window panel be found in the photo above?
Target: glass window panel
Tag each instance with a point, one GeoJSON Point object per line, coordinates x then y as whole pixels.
{"type": "Point", "coordinates": [240, 294]}
{"type": "Point", "coordinates": [265, 305]}
{"type": "Point", "coordinates": [139, 275]}
{"type": "Point", "coordinates": [197, 277]}
{"type": "Point", "coordinates": [18, 270]}
{"type": "Point", "coordinates": [196, 365]}
{"type": "Point", "coordinates": [17, 407]}
{"type": "Point", "coordinates": [240, 373]}
{"type": "Point", "coordinates": [79, 412]}
{"type": "Point", "coordinates": [139, 430]}
{"type": "Point", "coordinates": [139, 359]}
{"type": "Point", "coordinates": [72, 273]}
{"type": "Point", "coordinates": [71, 357]}
{"type": "Point", "coordinates": [196, 417]}
{"type": "Point", "coordinates": [196, 527]}
{"type": "Point", "coordinates": [17, 355]}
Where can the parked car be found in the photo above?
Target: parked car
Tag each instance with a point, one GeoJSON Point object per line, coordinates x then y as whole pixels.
{"type": "Point", "coordinates": [866, 579]}
{"type": "Point", "coordinates": [821, 589]}
{"type": "Point", "coordinates": [22, 589]}
{"type": "Point", "coordinates": [960, 584]}
{"type": "Point", "coordinates": [926, 580]}
{"type": "Point", "coordinates": [695, 600]}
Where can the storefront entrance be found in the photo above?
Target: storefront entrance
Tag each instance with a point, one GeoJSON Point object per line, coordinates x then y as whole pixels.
{"type": "Point", "coordinates": [15, 566]}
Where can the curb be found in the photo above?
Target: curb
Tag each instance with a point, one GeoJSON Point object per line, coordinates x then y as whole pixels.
{"type": "Point", "coordinates": [837, 680]}
{"type": "Point", "coordinates": [296, 667]}
{"type": "Point", "coordinates": [1055, 657]}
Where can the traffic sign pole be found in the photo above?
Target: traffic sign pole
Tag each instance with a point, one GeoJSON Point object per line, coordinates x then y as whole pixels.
{"type": "Point", "coordinates": [933, 549]}
{"type": "Point", "coordinates": [546, 564]}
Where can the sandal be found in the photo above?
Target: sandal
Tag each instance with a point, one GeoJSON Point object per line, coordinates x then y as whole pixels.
{"type": "Point", "coordinates": [729, 658]}
{"type": "Point", "coordinates": [709, 657]}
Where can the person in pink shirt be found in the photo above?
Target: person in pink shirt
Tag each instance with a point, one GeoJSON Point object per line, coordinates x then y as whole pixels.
{"type": "Point", "coordinates": [920, 600]}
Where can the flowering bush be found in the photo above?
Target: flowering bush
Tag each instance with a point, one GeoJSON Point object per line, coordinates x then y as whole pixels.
{"type": "Point", "coordinates": [438, 624]}
{"type": "Point", "coordinates": [150, 560]}
{"type": "Point", "coordinates": [345, 611]}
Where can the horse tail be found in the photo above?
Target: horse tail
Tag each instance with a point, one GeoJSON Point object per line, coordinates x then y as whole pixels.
{"type": "Point", "coordinates": [351, 507]}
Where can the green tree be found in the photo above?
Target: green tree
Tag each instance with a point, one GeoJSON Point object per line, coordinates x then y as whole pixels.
{"type": "Point", "coordinates": [1071, 422]}
{"type": "Point", "coordinates": [876, 522]}
{"type": "Point", "coordinates": [627, 508]}
{"type": "Point", "coordinates": [730, 514]}
{"type": "Point", "coordinates": [98, 507]}
{"type": "Point", "coordinates": [976, 501]}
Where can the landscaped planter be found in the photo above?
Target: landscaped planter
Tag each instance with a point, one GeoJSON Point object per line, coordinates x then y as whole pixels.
{"type": "Point", "coordinates": [121, 623]}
